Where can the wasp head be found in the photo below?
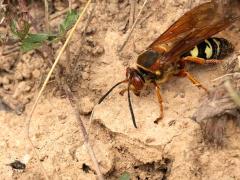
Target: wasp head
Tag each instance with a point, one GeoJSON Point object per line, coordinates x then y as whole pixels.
{"type": "Point", "coordinates": [135, 80]}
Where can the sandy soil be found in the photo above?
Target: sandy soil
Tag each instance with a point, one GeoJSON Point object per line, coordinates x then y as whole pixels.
{"type": "Point", "coordinates": [172, 149]}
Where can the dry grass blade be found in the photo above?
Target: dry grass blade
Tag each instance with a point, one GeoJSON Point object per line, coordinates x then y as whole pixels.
{"type": "Point", "coordinates": [226, 75]}
{"type": "Point", "coordinates": [232, 93]}
{"type": "Point", "coordinates": [132, 13]}
{"type": "Point", "coordinates": [133, 26]}
{"type": "Point", "coordinates": [89, 148]}
{"type": "Point", "coordinates": [60, 13]}
{"type": "Point", "coordinates": [28, 120]}
{"type": "Point", "coordinates": [47, 25]}
{"type": "Point", "coordinates": [91, 118]}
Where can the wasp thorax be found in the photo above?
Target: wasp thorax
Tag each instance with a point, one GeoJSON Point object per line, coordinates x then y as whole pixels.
{"type": "Point", "coordinates": [148, 58]}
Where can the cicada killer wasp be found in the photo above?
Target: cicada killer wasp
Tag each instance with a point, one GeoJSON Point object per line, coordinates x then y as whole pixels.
{"type": "Point", "coordinates": [189, 39]}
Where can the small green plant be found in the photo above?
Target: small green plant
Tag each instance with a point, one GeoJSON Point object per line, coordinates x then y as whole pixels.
{"type": "Point", "coordinates": [125, 176]}
{"type": "Point", "coordinates": [69, 21]}
{"type": "Point", "coordinates": [30, 41]}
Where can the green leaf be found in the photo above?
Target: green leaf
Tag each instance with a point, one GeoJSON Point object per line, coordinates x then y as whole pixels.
{"type": "Point", "coordinates": [23, 33]}
{"type": "Point", "coordinates": [52, 37]}
{"type": "Point", "coordinates": [36, 38]}
{"type": "Point", "coordinates": [20, 33]}
{"type": "Point", "coordinates": [13, 27]}
{"type": "Point", "coordinates": [69, 21]}
{"type": "Point", "coordinates": [125, 176]}
{"type": "Point", "coordinates": [33, 41]}
{"type": "Point", "coordinates": [26, 46]}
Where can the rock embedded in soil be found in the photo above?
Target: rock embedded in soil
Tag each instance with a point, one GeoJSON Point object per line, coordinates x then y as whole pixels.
{"type": "Point", "coordinates": [36, 73]}
{"type": "Point", "coordinates": [103, 155]}
{"type": "Point", "coordinates": [216, 110]}
{"type": "Point", "coordinates": [21, 88]}
{"type": "Point", "coordinates": [86, 105]}
{"type": "Point", "coordinates": [5, 80]}
{"type": "Point", "coordinates": [85, 75]}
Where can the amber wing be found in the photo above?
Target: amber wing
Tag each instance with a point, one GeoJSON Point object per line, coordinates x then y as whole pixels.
{"type": "Point", "coordinates": [196, 25]}
{"type": "Point", "coordinates": [195, 37]}
{"type": "Point", "coordinates": [195, 18]}
{"type": "Point", "coordinates": [217, 13]}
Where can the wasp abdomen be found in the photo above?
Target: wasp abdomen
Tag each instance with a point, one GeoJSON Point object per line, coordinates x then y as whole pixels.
{"type": "Point", "coordinates": [211, 48]}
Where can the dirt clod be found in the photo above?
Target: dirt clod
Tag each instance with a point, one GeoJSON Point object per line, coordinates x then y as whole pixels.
{"type": "Point", "coordinates": [217, 109]}
{"type": "Point", "coordinates": [86, 105]}
{"type": "Point", "coordinates": [105, 160]}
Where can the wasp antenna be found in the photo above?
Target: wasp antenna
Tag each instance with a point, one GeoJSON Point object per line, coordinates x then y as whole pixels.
{"type": "Point", "coordinates": [109, 91]}
{"type": "Point", "coordinates": [130, 107]}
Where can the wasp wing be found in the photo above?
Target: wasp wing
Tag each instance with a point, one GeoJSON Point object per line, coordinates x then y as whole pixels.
{"type": "Point", "coordinates": [198, 17]}
{"type": "Point", "coordinates": [195, 37]}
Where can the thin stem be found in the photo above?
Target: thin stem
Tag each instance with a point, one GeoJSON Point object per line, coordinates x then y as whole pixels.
{"type": "Point", "coordinates": [90, 151]}
{"type": "Point", "coordinates": [133, 26]}
{"type": "Point", "coordinates": [46, 16]}
{"type": "Point", "coordinates": [232, 92]}
{"type": "Point", "coordinates": [28, 120]}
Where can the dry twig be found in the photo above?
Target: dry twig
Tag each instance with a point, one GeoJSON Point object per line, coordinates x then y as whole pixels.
{"type": "Point", "coordinates": [226, 75]}
{"type": "Point", "coordinates": [59, 13]}
{"type": "Point", "coordinates": [28, 120]}
{"type": "Point", "coordinates": [132, 13]}
{"type": "Point", "coordinates": [232, 93]}
{"type": "Point", "coordinates": [73, 101]}
{"type": "Point", "coordinates": [91, 117]}
{"type": "Point", "coordinates": [145, 18]}
{"type": "Point", "coordinates": [47, 25]}
{"type": "Point", "coordinates": [134, 24]}
{"type": "Point", "coordinates": [90, 16]}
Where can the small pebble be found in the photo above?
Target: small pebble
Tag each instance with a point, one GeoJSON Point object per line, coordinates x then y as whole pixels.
{"type": "Point", "coordinates": [5, 80]}
{"type": "Point", "coordinates": [17, 165]}
{"type": "Point", "coordinates": [36, 74]}
{"type": "Point", "coordinates": [7, 87]}
{"type": "Point", "coordinates": [85, 75]}
{"type": "Point", "coordinates": [90, 31]}
{"type": "Point", "coordinates": [86, 105]}
{"type": "Point", "coordinates": [149, 140]}
{"type": "Point", "coordinates": [182, 95]}
{"type": "Point", "coordinates": [62, 116]}
{"type": "Point", "coordinates": [99, 50]}
{"type": "Point", "coordinates": [26, 73]}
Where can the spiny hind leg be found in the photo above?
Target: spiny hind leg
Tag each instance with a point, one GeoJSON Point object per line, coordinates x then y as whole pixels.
{"type": "Point", "coordinates": [184, 73]}
{"type": "Point", "coordinates": [160, 101]}
{"type": "Point", "coordinates": [199, 60]}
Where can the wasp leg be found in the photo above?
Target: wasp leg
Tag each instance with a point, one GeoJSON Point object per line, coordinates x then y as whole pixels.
{"type": "Point", "coordinates": [160, 101]}
{"type": "Point", "coordinates": [201, 60]}
{"type": "Point", "coordinates": [122, 91]}
{"type": "Point", "coordinates": [184, 73]}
